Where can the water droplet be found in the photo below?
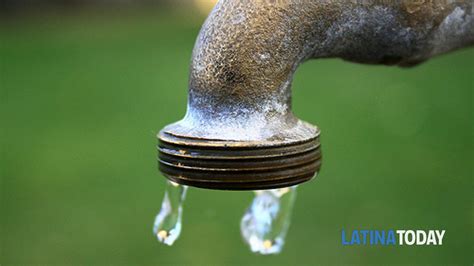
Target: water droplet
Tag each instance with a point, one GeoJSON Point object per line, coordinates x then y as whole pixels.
{"type": "Point", "coordinates": [167, 225]}
{"type": "Point", "coordinates": [266, 221]}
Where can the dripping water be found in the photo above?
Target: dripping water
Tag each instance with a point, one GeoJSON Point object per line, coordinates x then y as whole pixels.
{"type": "Point", "coordinates": [167, 226]}
{"type": "Point", "coordinates": [263, 226]}
{"type": "Point", "coordinates": [266, 221]}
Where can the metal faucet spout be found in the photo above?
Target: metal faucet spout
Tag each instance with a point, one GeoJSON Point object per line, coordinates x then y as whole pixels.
{"type": "Point", "coordinates": [239, 131]}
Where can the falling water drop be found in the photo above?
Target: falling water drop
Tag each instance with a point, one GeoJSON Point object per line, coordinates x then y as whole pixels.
{"type": "Point", "coordinates": [266, 221]}
{"type": "Point", "coordinates": [167, 226]}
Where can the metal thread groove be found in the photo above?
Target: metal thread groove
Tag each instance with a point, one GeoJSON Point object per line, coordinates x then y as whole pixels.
{"type": "Point", "coordinates": [240, 166]}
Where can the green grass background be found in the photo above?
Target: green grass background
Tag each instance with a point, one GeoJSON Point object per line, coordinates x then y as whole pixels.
{"type": "Point", "coordinates": [83, 96]}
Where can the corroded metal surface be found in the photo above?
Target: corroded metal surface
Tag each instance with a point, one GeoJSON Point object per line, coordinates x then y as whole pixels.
{"type": "Point", "coordinates": [228, 165]}
{"type": "Point", "coordinates": [247, 52]}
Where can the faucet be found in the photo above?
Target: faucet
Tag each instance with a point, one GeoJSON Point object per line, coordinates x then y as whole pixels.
{"type": "Point", "coordinates": [239, 132]}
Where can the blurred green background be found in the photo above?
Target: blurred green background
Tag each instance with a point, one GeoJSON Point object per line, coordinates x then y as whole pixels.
{"type": "Point", "coordinates": [84, 93]}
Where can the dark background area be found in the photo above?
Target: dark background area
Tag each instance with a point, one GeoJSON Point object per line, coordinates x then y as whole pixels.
{"type": "Point", "coordinates": [86, 85]}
